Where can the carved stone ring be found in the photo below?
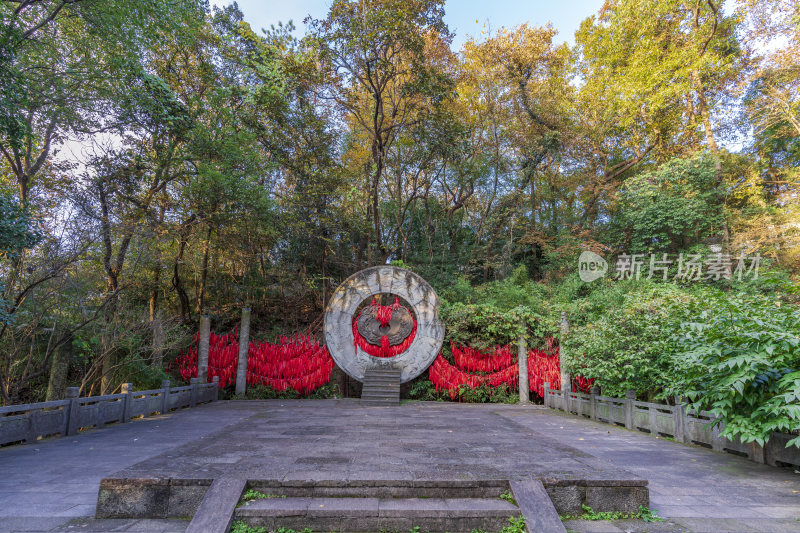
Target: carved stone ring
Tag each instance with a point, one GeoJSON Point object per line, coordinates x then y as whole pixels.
{"type": "Point", "coordinates": [344, 304]}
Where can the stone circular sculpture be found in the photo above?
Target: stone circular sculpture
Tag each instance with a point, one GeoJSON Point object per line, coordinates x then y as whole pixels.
{"type": "Point", "coordinates": [369, 282]}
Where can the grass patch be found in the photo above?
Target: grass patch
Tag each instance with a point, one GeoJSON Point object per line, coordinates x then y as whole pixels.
{"type": "Point", "coordinates": [645, 513]}
{"type": "Point", "coordinates": [252, 495]}
{"type": "Point", "coordinates": [508, 497]}
{"type": "Point", "coordinates": [241, 527]}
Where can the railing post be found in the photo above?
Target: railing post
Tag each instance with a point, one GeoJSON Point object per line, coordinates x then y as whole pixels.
{"type": "Point", "coordinates": [717, 441]}
{"type": "Point", "coordinates": [630, 396]}
{"type": "Point", "coordinates": [566, 393]}
{"type": "Point", "coordinates": [215, 391]}
{"type": "Point", "coordinates": [546, 393]}
{"type": "Point", "coordinates": [756, 453]}
{"type": "Point", "coordinates": [193, 383]}
{"type": "Point", "coordinates": [679, 419]}
{"type": "Point", "coordinates": [72, 423]}
{"type": "Point", "coordinates": [652, 420]}
{"type": "Point", "coordinates": [165, 397]}
{"type": "Point", "coordinates": [593, 402]}
{"type": "Point", "coordinates": [33, 426]}
{"type": "Point", "coordinates": [127, 402]}
{"type": "Point", "coordinates": [769, 451]}
{"type": "Point", "coordinates": [202, 349]}
{"type": "Point", "coordinates": [244, 348]}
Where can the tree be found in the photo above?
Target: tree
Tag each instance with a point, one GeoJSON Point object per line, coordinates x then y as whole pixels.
{"type": "Point", "coordinates": [669, 209]}
{"type": "Point", "coordinates": [374, 55]}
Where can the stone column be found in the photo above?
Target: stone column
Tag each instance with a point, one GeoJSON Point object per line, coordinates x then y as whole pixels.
{"type": "Point", "coordinates": [214, 393]}
{"type": "Point", "coordinates": [565, 377]}
{"type": "Point", "coordinates": [244, 344]}
{"type": "Point", "coordinates": [546, 396]}
{"type": "Point", "coordinates": [522, 359]}
{"type": "Point", "coordinates": [202, 349]}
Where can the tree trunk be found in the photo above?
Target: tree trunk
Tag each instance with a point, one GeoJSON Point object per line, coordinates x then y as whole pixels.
{"type": "Point", "coordinates": [565, 377]}
{"type": "Point", "coordinates": [158, 342]}
{"type": "Point", "coordinates": [177, 283]}
{"type": "Point", "coordinates": [59, 368]}
{"type": "Point", "coordinates": [107, 378]}
{"type": "Point", "coordinates": [201, 292]}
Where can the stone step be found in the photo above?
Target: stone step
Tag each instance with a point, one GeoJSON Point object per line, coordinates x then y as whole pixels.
{"type": "Point", "coordinates": [383, 397]}
{"type": "Point", "coordinates": [385, 488]}
{"type": "Point", "coordinates": [357, 515]}
{"type": "Point", "coordinates": [381, 388]}
{"type": "Point", "coordinates": [394, 376]}
{"type": "Point", "coordinates": [380, 392]}
{"type": "Point", "coordinates": [379, 400]}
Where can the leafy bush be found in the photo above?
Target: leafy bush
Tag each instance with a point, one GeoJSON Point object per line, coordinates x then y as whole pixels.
{"type": "Point", "coordinates": [740, 360]}
{"type": "Point", "coordinates": [264, 392]}
{"type": "Point", "coordinates": [628, 339]}
{"type": "Point", "coordinates": [484, 325]}
{"type": "Point", "coordinates": [485, 393]}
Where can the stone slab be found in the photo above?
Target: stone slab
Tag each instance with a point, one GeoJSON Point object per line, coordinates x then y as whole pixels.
{"type": "Point", "coordinates": [215, 514]}
{"type": "Point", "coordinates": [536, 506]}
{"type": "Point", "coordinates": [427, 441]}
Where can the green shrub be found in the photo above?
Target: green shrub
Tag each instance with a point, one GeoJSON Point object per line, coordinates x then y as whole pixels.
{"type": "Point", "coordinates": [628, 339]}
{"type": "Point", "coordinates": [740, 360]}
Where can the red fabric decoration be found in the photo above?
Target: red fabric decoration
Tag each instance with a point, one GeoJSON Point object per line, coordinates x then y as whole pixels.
{"type": "Point", "coordinates": [299, 363]}
{"type": "Point", "coordinates": [498, 367]}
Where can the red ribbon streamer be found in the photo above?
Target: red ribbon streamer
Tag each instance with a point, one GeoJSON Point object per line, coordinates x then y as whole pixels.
{"type": "Point", "coordinates": [299, 363]}
{"type": "Point", "coordinates": [384, 315]}
{"type": "Point", "coordinates": [498, 367]}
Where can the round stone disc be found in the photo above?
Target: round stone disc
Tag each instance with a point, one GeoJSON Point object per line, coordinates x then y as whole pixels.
{"type": "Point", "coordinates": [369, 282]}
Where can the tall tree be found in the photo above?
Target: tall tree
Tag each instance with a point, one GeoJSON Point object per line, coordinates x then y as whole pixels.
{"type": "Point", "coordinates": [374, 54]}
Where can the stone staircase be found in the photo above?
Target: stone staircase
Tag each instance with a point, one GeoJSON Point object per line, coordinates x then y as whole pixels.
{"type": "Point", "coordinates": [381, 508]}
{"type": "Point", "coordinates": [381, 386]}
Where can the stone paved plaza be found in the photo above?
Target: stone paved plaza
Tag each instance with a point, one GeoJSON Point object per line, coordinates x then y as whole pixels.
{"type": "Point", "coordinates": [53, 485]}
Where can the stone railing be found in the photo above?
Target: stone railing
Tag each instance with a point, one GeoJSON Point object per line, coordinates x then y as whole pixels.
{"type": "Point", "coordinates": [29, 422]}
{"type": "Point", "coordinates": [670, 421]}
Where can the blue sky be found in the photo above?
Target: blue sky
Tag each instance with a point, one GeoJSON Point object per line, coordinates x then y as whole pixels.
{"type": "Point", "coordinates": [464, 17]}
